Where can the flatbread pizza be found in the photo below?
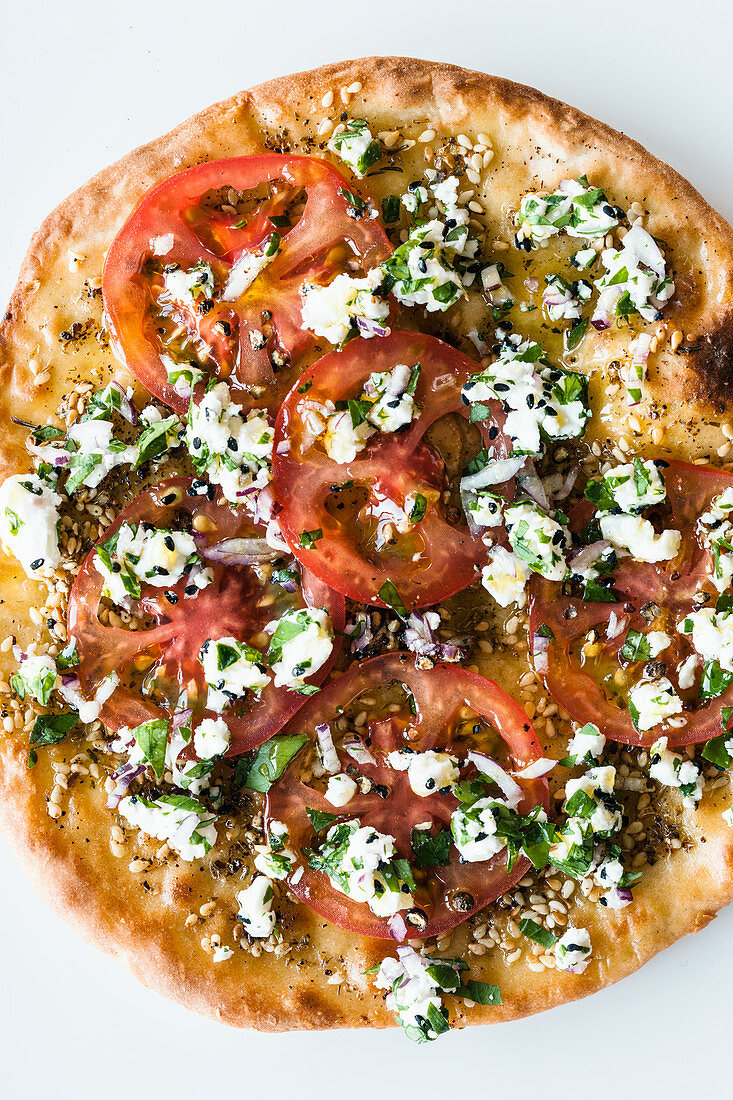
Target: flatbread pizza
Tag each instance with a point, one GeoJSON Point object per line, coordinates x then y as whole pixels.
{"type": "Point", "coordinates": [367, 571]}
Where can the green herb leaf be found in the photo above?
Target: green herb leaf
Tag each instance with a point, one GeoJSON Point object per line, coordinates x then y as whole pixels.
{"type": "Point", "coordinates": [481, 992]}
{"type": "Point", "coordinates": [50, 729]}
{"type": "Point", "coordinates": [535, 932]}
{"type": "Point", "coordinates": [308, 539]}
{"type": "Point", "coordinates": [152, 737]}
{"type": "Point", "coordinates": [271, 760]}
{"type": "Point", "coordinates": [431, 851]}
{"type": "Point", "coordinates": [389, 595]}
{"type": "Point", "coordinates": [636, 647]}
{"type": "Point", "coordinates": [320, 820]}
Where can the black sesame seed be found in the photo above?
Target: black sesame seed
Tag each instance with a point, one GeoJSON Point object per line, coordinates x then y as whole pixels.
{"type": "Point", "coordinates": [169, 543]}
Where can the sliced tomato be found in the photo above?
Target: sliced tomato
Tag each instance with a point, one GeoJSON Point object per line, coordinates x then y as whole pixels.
{"type": "Point", "coordinates": [433, 558]}
{"type": "Point", "coordinates": [594, 688]}
{"type": "Point", "coordinates": [447, 894]}
{"type": "Point", "coordinates": [158, 662]}
{"type": "Point", "coordinates": [190, 219]}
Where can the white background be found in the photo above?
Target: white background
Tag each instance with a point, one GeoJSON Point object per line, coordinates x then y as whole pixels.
{"type": "Point", "coordinates": [80, 85]}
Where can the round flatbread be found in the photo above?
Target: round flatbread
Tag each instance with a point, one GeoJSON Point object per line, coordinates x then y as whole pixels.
{"type": "Point", "coordinates": [175, 922]}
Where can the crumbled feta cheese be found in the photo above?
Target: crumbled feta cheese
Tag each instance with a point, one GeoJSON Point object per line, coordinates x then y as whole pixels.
{"type": "Point", "coordinates": [221, 953]}
{"type": "Point", "coordinates": [474, 831]}
{"type": "Point", "coordinates": [635, 281]}
{"type": "Point", "coordinates": [591, 797]}
{"type": "Point", "coordinates": [302, 642]}
{"type": "Point", "coordinates": [359, 861]}
{"type": "Point", "coordinates": [505, 577]}
{"type": "Point", "coordinates": [183, 287]}
{"type": "Point", "coordinates": [212, 738]}
{"type": "Point", "coordinates": [232, 449]}
{"type": "Point", "coordinates": [536, 398]}
{"type": "Point", "coordinates": [485, 509]}
{"type": "Point", "coordinates": [587, 744]}
{"type": "Point", "coordinates": [563, 300]}
{"type": "Point", "coordinates": [414, 995]}
{"type": "Point", "coordinates": [573, 950]}
{"type": "Point", "coordinates": [143, 555]}
{"type": "Point", "coordinates": [36, 677]}
{"type": "Point", "coordinates": [637, 537]}
{"type": "Point", "coordinates": [275, 860]}
{"type": "Point", "coordinates": [429, 771]}
{"type": "Point", "coordinates": [687, 672]}
{"type": "Point", "coordinates": [651, 702]}
{"type": "Point", "coordinates": [184, 823]}
{"type": "Point", "coordinates": [580, 210]}
{"type": "Point", "coordinates": [658, 642]}
{"type": "Point", "coordinates": [255, 908]}
{"type": "Point", "coordinates": [537, 539]}
{"type": "Point", "coordinates": [631, 488]}
{"type": "Point", "coordinates": [332, 311]}
{"type": "Point", "coordinates": [671, 770]}
{"type": "Point", "coordinates": [355, 146]}
{"type": "Point", "coordinates": [715, 530]}
{"type": "Point", "coordinates": [711, 634]}
{"type": "Point", "coordinates": [184, 377]}
{"type": "Point", "coordinates": [29, 520]}
{"type": "Point", "coordinates": [340, 790]}
{"type": "Point", "coordinates": [343, 440]}
{"type": "Point", "coordinates": [231, 669]}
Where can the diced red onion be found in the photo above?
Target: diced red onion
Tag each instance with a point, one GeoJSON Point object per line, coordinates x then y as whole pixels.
{"type": "Point", "coordinates": [530, 481]}
{"type": "Point", "coordinates": [368, 328]}
{"type": "Point", "coordinates": [397, 927]}
{"type": "Point", "coordinates": [512, 791]}
{"type": "Point", "coordinates": [363, 638]}
{"type": "Point", "coordinates": [239, 551]}
{"type": "Point", "coordinates": [640, 348]}
{"type": "Point", "coordinates": [329, 756]}
{"type": "Point", "coordinates": [420, 638]}
{"type": "Point", "coordinates": [532, 285]}
{"type": "Point", "coordinates": [181, 718]}
{"type": "Point", "coordinates": [494, 473]}
{"type": "Point", "coordinates": [585, 557]}
{"type": "Point", "coordinates": [123, 777]}
{"type": "Point", "coordinates": [537, 768]}
{"type": "Point", "coordinates": [615, 626]}
{"type": "Point", "coordinates": [358, 751]}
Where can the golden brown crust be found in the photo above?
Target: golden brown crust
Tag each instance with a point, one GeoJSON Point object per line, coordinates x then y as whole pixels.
{"type": "Point", "coordinates": [537, 141]}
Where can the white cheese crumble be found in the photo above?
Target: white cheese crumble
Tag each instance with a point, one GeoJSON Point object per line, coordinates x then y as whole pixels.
{"type": "Point", "coordinates": [413, 992]}
{"type": "Point", "coordinates": [255, 908]}
{"type": "Point", "coordinates": [637, 537]}
{"type": "Point", "coordinates": [428, 771]}
{"type": "Point", "coordinates": [576, 208]}
{"type": "Point", "coordinates": [232, 449]}
{"type": "Point", "coordinates": [631, 487]}
{"type": "Point", "coordinates": [715, 530]}
{"type": "Point", "coordinates": [671, 770]}
{"type": "Point", "coordinates": [536, 398]}
{"type": "Point", "coordinates": [340, 790]}
{"type": "Point", "coordinates": [333, 311]}
{"type": "Point", "coordinates": [275, 860]}
{"type": "Point", "coordinates": [231, 669]}
{"type": "Point", "coordinates": [29, 520]}
{"type": "Point", "coordinates": [651, 702]}
{"type": "Point", "coordinates": [597, 804]}
{"type": "Point", "coordinates": [711, 635]}
{"type": "Point", "coordinates": [359, 862]}
{"type": "Point", "coordinates": [136, 556]}
{"type": "Point", "coordinates": [184, 823]}
{"type": "Point", "coordinates": [537, 539]}
{"type": "Point", "coordinates": [302, 641]}
{"type": "Point", "coordinates": [587, 744]}
{"type": "Point", "coordinates": [573, 950]}
{"type": "Point", "coordinates": [505, 577]}
{"type": "Point", "coordinates": [474, 831]}
{"type": "Point", "coordinates": [212, 738]}
{"type": "Point", "coordinates": [635, 281]}
{"type": "Point", "coordinates": [355, 145]}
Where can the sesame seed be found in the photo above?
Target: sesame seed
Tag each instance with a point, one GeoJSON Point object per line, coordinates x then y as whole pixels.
{"type": "Point", "coordinates": [325, 127]}
{"type": "Point", "coordinates": [427, 135]}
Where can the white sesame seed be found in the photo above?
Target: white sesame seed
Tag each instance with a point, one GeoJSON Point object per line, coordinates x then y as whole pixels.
{"type": "Point", "coordinates": [327, 99]}
{"type": "Point", "coordinates": [355, 88]}
{"type": "Point", "coordinates": [325, 127]}
{"type": "Point", "coordinates": [427, 135]}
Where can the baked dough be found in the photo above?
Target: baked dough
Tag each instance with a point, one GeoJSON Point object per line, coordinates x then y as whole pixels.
{"type": "Point", "coordinates": [154, 912]}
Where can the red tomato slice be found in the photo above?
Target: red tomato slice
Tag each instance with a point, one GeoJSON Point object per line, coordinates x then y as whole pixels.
{"type": "Point", "coordinates": [439, 696]}
{"type": "Point", "coordinates": [434, 559]}
{"type": "Point", "coordinates": [232, 606]}
{"type": "Point", "coordinates": [178, 223]}
{"type": "Point", "coordinates": [584, 687]}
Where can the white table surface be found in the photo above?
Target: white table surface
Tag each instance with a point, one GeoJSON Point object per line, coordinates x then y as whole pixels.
{"type": "Point", "coordinates": [81, 84]}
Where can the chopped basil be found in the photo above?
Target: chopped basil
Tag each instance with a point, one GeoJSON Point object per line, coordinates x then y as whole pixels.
{"type": "Point", "coordinates": [479, 412]}
{"type": "Point", "coordinates": [47, 433]}
{"type": "Point", "coordinates": [483, 993]}
{"type": "Point", "coordinates": [320, 820]}
{"type": "Point", "coordinates": [356, 202]}
{"type": "Point", "coordinates": [535, 932]}
{"type": "Point", "coordinates": [153, 440]}
{"type": "Point", "coordinates": [714, 680]}
{"type": "Point", "coordinates": [431, 851]}
{"type": "Point", "coordinates": [308, 539]}
{"type": "Point", "coordinates": [390, 209]}
{"type": "Point", "coordinates": [389, 595]}
{"type": "Point", "coordinates": [68, 657]}
{"type": "Point", "coordinates": [636, 647]}
{"type": "Point", "coordinates": [716, 751]}
{"type": "Point", "coordinates": [50, 729]}
{"type": "Point", "coordinates": [271, 760]}
{"type": "Point", "coordinates": [305, 387]}
{"type": "Point", "coordinates": [419, 507]}
{"type": "Point", "coordinates": [576, 334]}
{"type": "Point", "coordinates": [152, 737]}
{"type": "Point", "coordinates": [546, 631]}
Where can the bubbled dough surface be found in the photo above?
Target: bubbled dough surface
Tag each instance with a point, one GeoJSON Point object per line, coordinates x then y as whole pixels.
{"type": "Point", "coordinates": [537, 142]}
